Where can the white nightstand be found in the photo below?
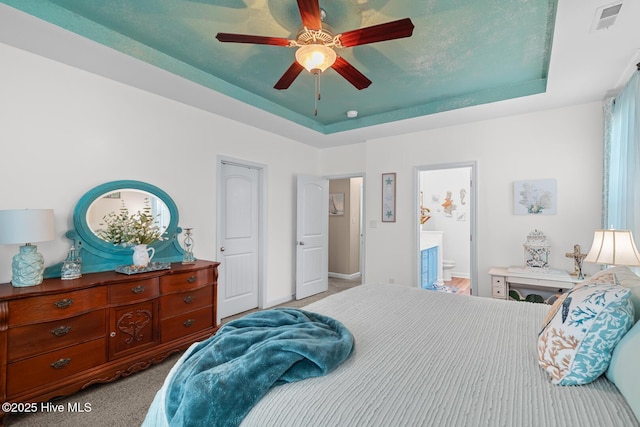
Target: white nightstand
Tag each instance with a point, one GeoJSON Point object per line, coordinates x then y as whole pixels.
{"type": "Point", "coordinates": [552, 280]}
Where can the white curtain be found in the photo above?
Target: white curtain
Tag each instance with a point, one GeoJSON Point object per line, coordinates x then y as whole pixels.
{"type": "Point", "coordinates": [621, 200]}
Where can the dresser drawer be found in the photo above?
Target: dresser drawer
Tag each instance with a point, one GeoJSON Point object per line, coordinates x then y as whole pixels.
{"type": "Point", "coordinates": [186, 323]}
{"type": "Point", "coordinates": [137, 290]}
{"type": "Point", "coordinates": [498, 287]}
{"type": "Point", "coordinates": [26, 341]}
{"type": "Point", "coordinates": [52, 307]}
{"type": "Point", "coordinates": [54, 366]}
{"type": "Point", "coordinates": [171, 305]}
{"type": "Point", "coordinates": [183, 281]}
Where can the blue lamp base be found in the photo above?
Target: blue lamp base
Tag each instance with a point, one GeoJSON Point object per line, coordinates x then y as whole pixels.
{"type": "Point", "coordinates": [28, 267]}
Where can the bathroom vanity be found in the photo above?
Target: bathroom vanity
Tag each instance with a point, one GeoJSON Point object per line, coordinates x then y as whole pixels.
{"type": "Point", "coordinates": [430, 259]}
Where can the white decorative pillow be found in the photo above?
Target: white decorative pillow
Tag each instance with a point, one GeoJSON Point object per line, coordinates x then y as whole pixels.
{"type": "Point", "coordinates": [575, 346]}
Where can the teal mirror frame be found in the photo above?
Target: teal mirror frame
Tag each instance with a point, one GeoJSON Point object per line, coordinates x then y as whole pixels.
{"type": "Point", "coordinates": [98, 255]}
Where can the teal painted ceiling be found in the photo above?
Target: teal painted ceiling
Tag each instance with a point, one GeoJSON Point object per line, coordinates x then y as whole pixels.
{"type": "Point", "coordinates": [462, 52]}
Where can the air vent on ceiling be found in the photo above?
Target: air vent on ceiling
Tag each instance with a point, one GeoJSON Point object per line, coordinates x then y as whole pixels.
{"type": "Point", "coordinates": [606, 16]}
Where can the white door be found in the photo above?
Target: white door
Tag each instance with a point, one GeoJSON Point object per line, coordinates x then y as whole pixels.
{"type": "Point", "coordinates": [312, 236]}
{"type": "Point", "coordinates": [238, 253]}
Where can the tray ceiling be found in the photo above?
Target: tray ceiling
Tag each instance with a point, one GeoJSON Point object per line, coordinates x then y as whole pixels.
{"type": "Point", "coordinates": [467, 60]}
{"type": "Point", "coordinates": [462, 53]}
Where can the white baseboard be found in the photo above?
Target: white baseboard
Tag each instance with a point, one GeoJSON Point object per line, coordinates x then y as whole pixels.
{"type": "Point", "coordinates": [345, 276]}
{"type": "Point", "coordinates": [460, 275]}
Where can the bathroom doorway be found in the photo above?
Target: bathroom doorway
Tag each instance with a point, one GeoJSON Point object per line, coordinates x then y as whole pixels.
{"type": "Point", "coordinates": [447, 208]}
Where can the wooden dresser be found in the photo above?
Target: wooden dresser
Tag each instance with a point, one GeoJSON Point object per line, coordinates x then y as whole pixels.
{"type": "Point", "coordinates": [64, 335]}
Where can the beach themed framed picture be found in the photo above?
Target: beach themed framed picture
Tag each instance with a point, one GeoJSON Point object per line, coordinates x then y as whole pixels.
{"type": "Point", "coordinates": [535, 197]}
{"type": "Point", "coordinates": [389, 197]}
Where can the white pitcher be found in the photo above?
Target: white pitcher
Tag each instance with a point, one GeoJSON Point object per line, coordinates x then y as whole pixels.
{"type": "Point", "coordinates": [142, 255]}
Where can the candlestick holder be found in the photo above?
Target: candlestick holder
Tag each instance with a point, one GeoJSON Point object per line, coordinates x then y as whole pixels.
{"type": "Point", "coordinates": [187, 243]}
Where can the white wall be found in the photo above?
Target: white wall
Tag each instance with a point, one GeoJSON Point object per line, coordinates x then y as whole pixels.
{"type": "Point", "coordinates": [565, 144]}
{"type": "Point", "coordinates": [65, 131]}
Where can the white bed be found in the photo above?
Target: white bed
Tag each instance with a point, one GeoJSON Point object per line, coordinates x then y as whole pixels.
{"type": "Point", "coordinates": [425, 358]}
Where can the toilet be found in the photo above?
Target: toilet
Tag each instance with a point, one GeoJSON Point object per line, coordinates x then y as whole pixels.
{"type": "Point", "coordinates": [447, 266]}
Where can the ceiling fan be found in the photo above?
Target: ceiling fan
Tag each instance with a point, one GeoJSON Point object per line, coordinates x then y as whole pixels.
{"type": "Point", "coordinates": [316, 45]}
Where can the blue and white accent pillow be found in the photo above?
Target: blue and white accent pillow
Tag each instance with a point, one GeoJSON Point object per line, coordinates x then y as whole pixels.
{"type": "Point", "coordinates": [575, 346]}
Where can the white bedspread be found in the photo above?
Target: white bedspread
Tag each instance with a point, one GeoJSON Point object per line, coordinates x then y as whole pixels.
{"type": "Point", "coordinates": [426, 358]}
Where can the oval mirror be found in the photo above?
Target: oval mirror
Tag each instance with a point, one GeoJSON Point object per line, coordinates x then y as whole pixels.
{"type": "Point", "coordinates": [127, 200]}
{"type": "Point", "coordinates": [99, 254]}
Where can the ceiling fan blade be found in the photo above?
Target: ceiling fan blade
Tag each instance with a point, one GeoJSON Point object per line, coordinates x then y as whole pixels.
{"type": "Point", "coordinates": [310, 14]}
{"type": "Point", "coordinates": [289, 76]}
{"type": "Point", "coordinates": [378, 33]}
{"type": "Point", "coordinates": [349, 72]}
{"type": "Point", "coordinates": [246, 38]}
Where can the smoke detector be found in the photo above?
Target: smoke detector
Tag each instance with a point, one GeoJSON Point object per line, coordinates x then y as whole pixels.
{"type": "Point", "coordinates": [606, 16]}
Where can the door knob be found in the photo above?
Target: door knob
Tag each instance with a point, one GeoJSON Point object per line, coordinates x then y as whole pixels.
{"type": "Point", "coordinates": [301, 243]}
{"type": "Point", "coordinates": [222, 249]}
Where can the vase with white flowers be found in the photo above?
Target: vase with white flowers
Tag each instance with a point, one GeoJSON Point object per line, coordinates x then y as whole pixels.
{"type": "Point", "coordinates": [133, 230]}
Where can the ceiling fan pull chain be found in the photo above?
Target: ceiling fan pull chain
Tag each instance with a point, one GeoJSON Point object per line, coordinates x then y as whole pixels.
{"type": "Point", "coordinates": [317, 94]}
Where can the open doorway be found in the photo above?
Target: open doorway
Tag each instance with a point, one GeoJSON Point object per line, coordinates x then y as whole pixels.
{"type": "Point", "coordinates": [346, 231]}
{"type": "Point", "coordinates": [446, 227]}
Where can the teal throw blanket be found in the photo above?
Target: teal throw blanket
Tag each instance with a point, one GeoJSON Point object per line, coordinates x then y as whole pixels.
{"type": "Point", "coordinates": [218, 381]}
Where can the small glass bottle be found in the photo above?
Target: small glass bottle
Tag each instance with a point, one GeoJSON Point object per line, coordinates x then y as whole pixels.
{"type": "Point", "coordinates": [72, 266]}
{"type": "Point", "coordinates": [188, 257]}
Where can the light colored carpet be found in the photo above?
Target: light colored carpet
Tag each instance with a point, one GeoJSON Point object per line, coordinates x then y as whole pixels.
{"type": "Point", "coordinates": [335, 286]}
{"type": "Point", "coordinates": [125, 402]}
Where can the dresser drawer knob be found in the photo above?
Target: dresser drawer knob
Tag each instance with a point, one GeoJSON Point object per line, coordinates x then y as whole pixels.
{"type": "Point", "coordinates": [192, 279]}
{"type": "Point", "coordinates": [61, 331]}
{"type": "Point", "coordinates": [188, 299]}
{"type": "Point", "coordinates": [64, 303]}
{"type": "Point", "coordinates": [61, 363]}
{"type": "Point", "coordinates": [138, 289]}
{"type": "Point", "coordinates": [189, 322]}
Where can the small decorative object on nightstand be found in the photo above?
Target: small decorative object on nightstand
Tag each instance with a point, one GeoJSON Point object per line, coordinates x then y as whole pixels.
{"type": "Point", "coordinates": [536, 251]}
{"type": "Point", "coordinates": [578, 258]}
{"type": "Point", "coordinates": [188, 257]}
{"type": "Point", "coordinates": [72, 266]}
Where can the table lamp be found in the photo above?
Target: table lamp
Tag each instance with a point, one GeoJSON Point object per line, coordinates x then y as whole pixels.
{"type": "Point", "coordinates": [26, 226]}
{"type": "Point", "coordinates": [613, 247]}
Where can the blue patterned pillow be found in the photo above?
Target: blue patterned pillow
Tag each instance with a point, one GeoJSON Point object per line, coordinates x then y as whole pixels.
{"type": "Point", "coordinates": [575, 346]}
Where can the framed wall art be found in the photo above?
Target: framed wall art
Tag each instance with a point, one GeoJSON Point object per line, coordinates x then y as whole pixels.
{"type": "Point", "coordinates": [535, 197]}
{"type": "Point", "coordinates": [389, 197]}
{"type": "Point", "coordinates": [336, 204]}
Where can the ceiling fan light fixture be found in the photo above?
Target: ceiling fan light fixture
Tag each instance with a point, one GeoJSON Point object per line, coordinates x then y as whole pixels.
{"type": "Point", "coordinates": [315, 57]}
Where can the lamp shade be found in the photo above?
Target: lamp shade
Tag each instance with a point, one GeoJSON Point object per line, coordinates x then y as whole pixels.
{"type": "Point", "coordinates": [20, 226]}
{"type": "Point", "coordinates": [613, 247]}
{"type": "Point", "coordinates": [315, 57]}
